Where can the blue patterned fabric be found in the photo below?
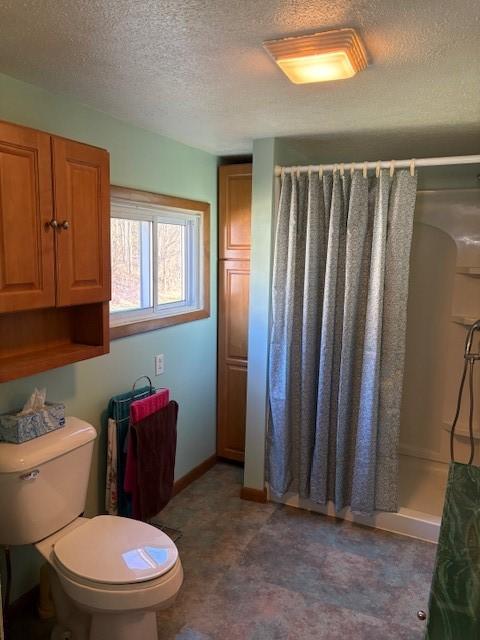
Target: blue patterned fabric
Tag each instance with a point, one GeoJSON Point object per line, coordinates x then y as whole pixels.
{"type": "Point", "coordinates": [339, 303]}
{"type": "Point", "coordinates": [18, 429]}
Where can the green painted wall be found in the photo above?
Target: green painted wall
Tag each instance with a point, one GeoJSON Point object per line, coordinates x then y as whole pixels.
{"type": "Point", "coordinates": [142, 160]}
{"type": "Point", "coordinates": [259, 314]}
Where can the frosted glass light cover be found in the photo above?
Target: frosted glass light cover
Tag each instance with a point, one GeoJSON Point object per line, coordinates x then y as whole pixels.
{"type": "Point", "coordinates": [317, 68]}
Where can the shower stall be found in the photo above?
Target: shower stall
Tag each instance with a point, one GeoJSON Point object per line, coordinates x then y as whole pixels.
{"type": "Point", "coordinates": [444, 301]}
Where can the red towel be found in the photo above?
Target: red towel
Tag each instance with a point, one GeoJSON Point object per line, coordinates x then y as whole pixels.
{"type": "Point", "coordinates": [155, 440]}
{"type": "Point", "coordinates": [143, 408]}
{"type": "Point", "coordinates": [140, 409]}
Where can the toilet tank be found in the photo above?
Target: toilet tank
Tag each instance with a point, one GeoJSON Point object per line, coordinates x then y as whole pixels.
{"type": "Point", "coordinates": [43, 482]}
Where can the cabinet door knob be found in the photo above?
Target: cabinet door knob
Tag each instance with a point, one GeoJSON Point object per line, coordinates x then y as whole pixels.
{"type": "Point", "coordinates": [53, 223]}
{"type": "Point", "coordinates": [65, 224]}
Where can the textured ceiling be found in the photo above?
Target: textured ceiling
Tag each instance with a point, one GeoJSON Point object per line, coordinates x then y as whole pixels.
{"type": "Point", "coordinates": [195, 70]}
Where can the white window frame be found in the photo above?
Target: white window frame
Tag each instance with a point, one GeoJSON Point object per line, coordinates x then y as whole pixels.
{"type": "Point", "coordinates": [193, 224]}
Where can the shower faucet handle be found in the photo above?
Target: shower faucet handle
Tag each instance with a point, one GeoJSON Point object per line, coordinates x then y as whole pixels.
{"type": "Point", "coordinates": [468, 342]}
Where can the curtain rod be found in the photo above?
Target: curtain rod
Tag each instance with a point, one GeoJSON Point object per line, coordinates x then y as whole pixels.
{"type": "Point", "coordinates": [383, 164]}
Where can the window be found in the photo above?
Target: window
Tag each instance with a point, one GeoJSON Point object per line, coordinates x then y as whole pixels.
{"type": "Point", "coordinates": [160, 253]}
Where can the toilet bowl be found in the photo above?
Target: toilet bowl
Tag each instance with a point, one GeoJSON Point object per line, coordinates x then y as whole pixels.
{"type": "Point", "coordinates": [109, 575]}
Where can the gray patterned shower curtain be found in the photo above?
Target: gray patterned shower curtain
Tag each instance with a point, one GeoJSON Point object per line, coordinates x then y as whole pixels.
{"type": "Point", "coordinates": [339, 297]}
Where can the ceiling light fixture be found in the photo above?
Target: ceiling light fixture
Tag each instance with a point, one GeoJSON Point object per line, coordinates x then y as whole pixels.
{"type": "Point", "coordinates": [319, 57]}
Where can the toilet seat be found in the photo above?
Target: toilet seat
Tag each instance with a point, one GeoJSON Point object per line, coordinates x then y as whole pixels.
{"type": "Point", "coordinates": [102, 597]}
{"type": "Point", "coordinates": [114, 551]}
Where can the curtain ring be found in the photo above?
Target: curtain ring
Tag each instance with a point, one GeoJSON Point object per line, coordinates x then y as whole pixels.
{"type": "Point", "coordinates": [377, 169]}
{"type": "Point", "coordinates": [335, 168]}
{"type": "Point", "coordinates": [365, 169]}
{"type": "Point", "coordinates": [342, 169]}
{"type": "Point", "coordinates": [412, 167]}
{"type": "Point", "coordinates": [352, 169]}
{"type": "Point", "coordinates": [320, 172]}
{"type": "Point", "coordinates": [282, 173]}
{"type": "Point", "coordinates": [392, 168]}
{"type": "Point", "coordinates": [309, 172]}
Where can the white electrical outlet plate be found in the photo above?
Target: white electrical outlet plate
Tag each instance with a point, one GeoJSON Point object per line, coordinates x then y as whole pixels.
{"type": "Point", "coordinates": [159, 364]}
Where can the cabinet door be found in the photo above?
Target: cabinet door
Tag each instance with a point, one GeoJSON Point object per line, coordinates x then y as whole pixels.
{"type": "Point", "coordinates": [27, 273]}
{"type": "Point", "coordinates": [234, 276]}
{"type": "Point", "coordinates": [235, 203]}
{"type": "Point", "coordinates": [82, 209]}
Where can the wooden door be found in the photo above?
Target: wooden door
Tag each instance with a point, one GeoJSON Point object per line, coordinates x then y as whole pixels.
{"type": "Point", "coordinates": [234, 278]}
{"type": "Point", "coordinates": [235, 204]}
{"type": "Point", "coordinates": [27, 272]}
{"type": "Point", "coordinates": [82, 209]}
{"type": "Point", "coordinates": [233, 291]}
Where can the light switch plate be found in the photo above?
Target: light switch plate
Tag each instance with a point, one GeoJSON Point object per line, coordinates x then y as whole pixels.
{"type": "Point", "coordinates": [159, 364]}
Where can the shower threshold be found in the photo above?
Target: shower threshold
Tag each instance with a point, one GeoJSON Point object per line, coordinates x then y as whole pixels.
{"type": "Point", "coordinates": [407, 522]}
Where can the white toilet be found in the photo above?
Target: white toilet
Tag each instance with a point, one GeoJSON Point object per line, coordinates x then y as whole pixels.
{"type": "Point", "coordinates": [109, 574]}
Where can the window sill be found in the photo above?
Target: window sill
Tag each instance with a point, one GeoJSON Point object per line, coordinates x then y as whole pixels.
{"type": "Point", "coordinates": [142, 326]}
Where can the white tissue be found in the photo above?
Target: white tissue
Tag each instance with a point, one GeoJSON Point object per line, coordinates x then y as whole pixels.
{"type": "Point", "coordinates": [36, 402]}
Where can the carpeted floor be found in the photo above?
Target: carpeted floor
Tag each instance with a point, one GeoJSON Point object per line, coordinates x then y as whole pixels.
{"type": "Point", "coordinates": [268, 572]}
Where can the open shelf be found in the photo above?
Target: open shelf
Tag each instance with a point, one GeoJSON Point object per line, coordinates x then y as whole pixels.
{"type": "Point", "coordinates": [29, 363]}
{"type": "Point", "coordinates": [462, 431]}
{"type": "Point", "coordinates": [473, 272]}
{"type": "Point", "coordinates": [42, 339]}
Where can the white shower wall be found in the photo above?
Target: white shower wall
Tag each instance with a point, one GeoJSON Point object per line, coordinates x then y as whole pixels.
{"type": "Point", "coordinates": [444, 297]}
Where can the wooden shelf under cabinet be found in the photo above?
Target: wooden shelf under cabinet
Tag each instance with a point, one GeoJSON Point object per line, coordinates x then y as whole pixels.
{"type": "Point", "coordinates": [42, 339]}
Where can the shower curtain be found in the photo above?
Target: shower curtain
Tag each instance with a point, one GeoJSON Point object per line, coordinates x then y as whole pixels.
{"type": "Point", "coordinates": [339, 299]}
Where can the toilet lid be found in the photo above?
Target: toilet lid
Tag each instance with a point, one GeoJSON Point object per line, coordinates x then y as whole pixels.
{"type": "Point", "coordinates": [116, 550]}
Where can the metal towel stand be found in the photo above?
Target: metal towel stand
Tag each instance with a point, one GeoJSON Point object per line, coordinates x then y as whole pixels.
{"type": "Point", "coordinates": [173, 534]}
{"type": "Point", "coordinates": [139, 396]}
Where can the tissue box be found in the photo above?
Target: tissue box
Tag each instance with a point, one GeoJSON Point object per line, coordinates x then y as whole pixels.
{"type": "Point", "coordinates": [18, 429]}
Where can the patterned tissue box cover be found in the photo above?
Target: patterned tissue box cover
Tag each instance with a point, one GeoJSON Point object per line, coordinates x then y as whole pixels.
{"type": "Point", "coordinates": [18, 429]}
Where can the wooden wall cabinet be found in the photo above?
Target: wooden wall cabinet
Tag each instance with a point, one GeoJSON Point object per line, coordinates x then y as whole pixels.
{"type": "Point", "coordinates": [26, 208]}
{"type": "Point", "coordinates": [235, 197]}
{"type": "Point", "coordinates": [82, 197]}
{"type": "Point", "coordinates": [54, 251]}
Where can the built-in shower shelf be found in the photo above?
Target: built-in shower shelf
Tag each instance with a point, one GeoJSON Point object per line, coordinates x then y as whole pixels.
{"type": "Point", "coordinates": [473, 272]}
{"type": "Point", "coordinates": [462, 430]}
{"type": "Point", "coordinates": [467, 321]}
